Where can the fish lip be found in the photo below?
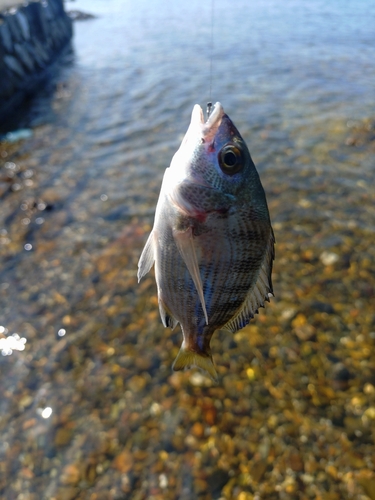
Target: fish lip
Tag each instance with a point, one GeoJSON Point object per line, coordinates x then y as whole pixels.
{"type": "Point", "coordinates": [215, 115]}
{"type": "Point", "coordinates": [209, 127]}
{"type": "Point", "coordinates": [213, 122]}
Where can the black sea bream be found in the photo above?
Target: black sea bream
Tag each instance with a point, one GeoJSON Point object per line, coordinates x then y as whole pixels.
{"type": "Point", "coordinates": [212, 241]}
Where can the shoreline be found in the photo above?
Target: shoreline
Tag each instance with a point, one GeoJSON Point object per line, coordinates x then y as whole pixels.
{"type": "Point", "coordinates": [33, 37]}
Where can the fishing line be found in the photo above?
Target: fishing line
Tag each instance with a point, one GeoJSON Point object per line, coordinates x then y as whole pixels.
{"type": "Point", "coordinates": [209, 104]}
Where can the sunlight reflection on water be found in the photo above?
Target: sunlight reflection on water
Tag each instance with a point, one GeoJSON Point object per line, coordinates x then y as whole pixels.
{"type": "Point", "coordinates": [11, 343]}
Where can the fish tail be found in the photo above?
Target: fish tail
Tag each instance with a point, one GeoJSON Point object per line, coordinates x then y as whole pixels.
{"type": "Point", "coordinates": [186, 358]}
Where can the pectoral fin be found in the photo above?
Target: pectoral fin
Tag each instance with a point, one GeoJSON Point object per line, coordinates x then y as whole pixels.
{"type": "Point", "coordinates": [185, 244]}
{"type": "Point", "coordinates": [147, 258]}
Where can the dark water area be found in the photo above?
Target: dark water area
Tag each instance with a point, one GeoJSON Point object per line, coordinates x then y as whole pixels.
{"type": "Point", "coordinates": [89, 406]}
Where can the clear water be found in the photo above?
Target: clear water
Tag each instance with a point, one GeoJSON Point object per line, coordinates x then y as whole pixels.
{"type": "Point", "coordinates": [292, 76]}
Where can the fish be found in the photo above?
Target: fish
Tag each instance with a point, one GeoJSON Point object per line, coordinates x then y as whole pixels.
{"type": "Point", "coordinates": [212, 242]}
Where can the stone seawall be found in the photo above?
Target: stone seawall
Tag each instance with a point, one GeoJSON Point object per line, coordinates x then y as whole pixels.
{"type": "Point", "coordinates": [33, 36]}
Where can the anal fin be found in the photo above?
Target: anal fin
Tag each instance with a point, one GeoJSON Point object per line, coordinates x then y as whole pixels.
{"type": "Point", "coordinates": [166, 317]}
{"type": "Point", "coordinates": [261, 291]}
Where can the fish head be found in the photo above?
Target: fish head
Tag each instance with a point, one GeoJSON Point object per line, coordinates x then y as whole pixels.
{"type": "Point", "coordinates": [213, 155]}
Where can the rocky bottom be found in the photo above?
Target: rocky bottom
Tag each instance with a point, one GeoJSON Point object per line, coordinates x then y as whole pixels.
{"type": "Point", "coordinates": [90, 408]}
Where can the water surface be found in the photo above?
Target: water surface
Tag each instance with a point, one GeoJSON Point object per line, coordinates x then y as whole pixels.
{"type": "Point", "coordinates": [89, 405]}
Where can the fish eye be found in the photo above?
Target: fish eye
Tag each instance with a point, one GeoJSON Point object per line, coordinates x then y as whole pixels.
{"type": "Point", "coordinates": [231, 159]}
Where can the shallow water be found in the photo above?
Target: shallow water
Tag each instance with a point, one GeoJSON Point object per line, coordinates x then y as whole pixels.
{"type": "Point", "coordinates": [82, 338]}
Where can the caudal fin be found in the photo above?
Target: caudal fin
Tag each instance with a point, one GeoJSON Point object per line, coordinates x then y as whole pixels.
{"type": "Point", "coordinates": [187, 358]}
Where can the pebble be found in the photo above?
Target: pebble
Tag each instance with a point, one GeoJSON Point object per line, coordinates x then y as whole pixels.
{"type": "Point", "coordinates": [70, 475]}
{"type": "Point", "coordinates": [329, 258]}
{"type": "Point", "coordinates": [63, 437]}
{"type": "Point", "coordinates": [293, 413]}
{"type": "Point", "coordinates": [123, 462]}
{"type": "Point", "coordinates": [197, 430]}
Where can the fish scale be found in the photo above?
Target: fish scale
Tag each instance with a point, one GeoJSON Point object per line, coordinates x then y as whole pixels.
{"type": "Point", "coordinates": [212, 242]}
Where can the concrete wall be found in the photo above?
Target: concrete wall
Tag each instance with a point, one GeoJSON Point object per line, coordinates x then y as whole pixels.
{"type": "Point", "coordinates": [32, 38]}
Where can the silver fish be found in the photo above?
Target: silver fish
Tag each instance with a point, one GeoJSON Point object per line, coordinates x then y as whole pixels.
{"type": "Point", "coordinates": [212, 241]}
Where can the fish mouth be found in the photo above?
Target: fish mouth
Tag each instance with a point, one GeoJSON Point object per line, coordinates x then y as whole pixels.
{"type": "Point", "coordinates": [216, 114]}
{"type": "Point", "coordinates": [199, 132]}
{"type": "Point", "coordinates": [210, 126]}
